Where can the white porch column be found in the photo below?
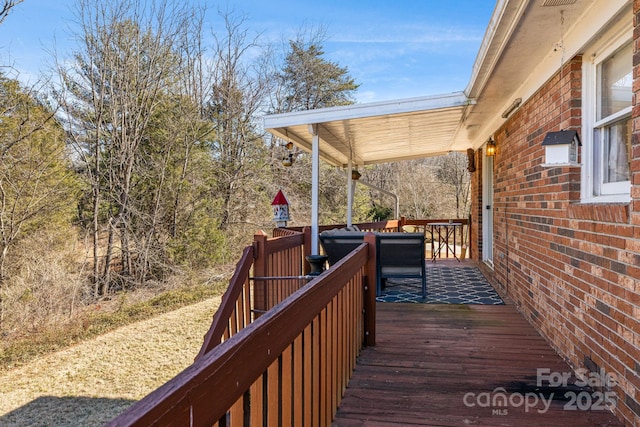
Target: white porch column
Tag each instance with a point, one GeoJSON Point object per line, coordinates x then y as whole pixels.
{"type": "Point", "coordinates": [350, 188]}
{"type": "Point", "coordinates": [315, 182]}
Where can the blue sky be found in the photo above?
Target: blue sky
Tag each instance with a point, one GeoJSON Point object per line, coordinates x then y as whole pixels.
{"type": "Point", "coordinates": [393, 49]}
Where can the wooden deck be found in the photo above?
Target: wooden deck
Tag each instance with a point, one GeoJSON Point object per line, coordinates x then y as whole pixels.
{"type": "Point", "coordinates": [444, 365]}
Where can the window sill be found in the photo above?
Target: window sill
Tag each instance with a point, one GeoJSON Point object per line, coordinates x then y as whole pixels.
{"type": "Point", "coordinates": [561, 165]}
{"type": "Point", "coordinates": [616, 212]}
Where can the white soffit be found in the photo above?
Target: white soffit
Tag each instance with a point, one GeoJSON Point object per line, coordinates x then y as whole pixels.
{"type": "Point", "coordinates": [376, 132]}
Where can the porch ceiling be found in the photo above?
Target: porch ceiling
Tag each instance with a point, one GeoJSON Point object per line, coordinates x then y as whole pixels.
{"type": "Point", "coordinates": [524, 44]}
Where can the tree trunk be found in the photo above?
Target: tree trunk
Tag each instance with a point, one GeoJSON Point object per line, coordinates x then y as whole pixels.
{"type": "Point", "coordinates": [176, 200]}
{"type": "Point", "coordinates": [96, 241]}
{"type": "Point", "coordinates": [106, 277]}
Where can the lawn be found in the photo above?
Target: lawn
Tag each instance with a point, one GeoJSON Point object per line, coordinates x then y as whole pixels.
{"type": "Point", "coordinates": [91, 382]}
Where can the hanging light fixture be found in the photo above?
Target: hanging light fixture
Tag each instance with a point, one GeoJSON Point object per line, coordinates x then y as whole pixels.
{"type": "Point", "coordinates": [355, 175]}
{"type": "Point", "coordinates": [287, 160]}
{"type": "Point", "coordinates": [490, 149]}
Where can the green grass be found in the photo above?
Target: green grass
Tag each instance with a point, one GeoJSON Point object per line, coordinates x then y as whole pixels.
{"type": "Point", "coordinates": [92, 324]}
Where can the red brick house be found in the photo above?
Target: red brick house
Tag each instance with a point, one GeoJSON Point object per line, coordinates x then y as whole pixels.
{"type": "Point", "coordinates": [565, 242]}
{"type": "Point", "coordinates": [560, 238]}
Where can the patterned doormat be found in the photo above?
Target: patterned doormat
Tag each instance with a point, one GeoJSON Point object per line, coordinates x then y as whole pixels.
{"type": "Point", "coordinates": [445, 285]}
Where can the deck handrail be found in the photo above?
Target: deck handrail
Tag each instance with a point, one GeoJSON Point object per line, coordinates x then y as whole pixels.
{"type": "Point", "coordinates": [380, 226]}
{"type": "Point", "coordinates": [282, 256]}
{"type": "Point", "coordinates": [281, 232]}
{"type": "Point", "coordinates": [288, 367]}
{"type": "Point", "coordinates": [234, 312]}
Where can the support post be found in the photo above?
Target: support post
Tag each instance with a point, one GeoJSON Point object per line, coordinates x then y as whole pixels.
{"type": "Point", "coordinates": [315, 183]}
{"type": "Point", "coordinates": [350, 188]}
{"type": "Point", "coordinates": [370, 292]}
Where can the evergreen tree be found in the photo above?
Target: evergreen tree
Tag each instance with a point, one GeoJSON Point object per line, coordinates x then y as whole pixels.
{"type": "Point", "coordinates": [310, 81]}
{"type": "Point", "coordinates": [36, 180]}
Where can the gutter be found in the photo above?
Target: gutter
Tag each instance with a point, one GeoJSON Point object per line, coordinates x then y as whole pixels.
{"type": "Point", "coordinates": [487, 57]}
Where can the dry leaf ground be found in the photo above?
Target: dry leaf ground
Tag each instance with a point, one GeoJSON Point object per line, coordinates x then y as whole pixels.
{"type": "Point", "coordinates": [90, 383]}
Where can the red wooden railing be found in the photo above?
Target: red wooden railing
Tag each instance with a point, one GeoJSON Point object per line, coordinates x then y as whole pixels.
{"type": "Point", "coordinates": [279, 268]}
{"type": "Point", "coordinates": [278, 352]}
{"type": "Point", "coordinates": [269, 271]}
{"type": "Point", "coordinates": [234, 312]}
{"type": "Point", "coordinates": [290, 366]}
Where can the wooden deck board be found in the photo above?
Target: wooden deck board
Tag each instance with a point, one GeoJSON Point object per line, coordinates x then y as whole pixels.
{"type": "Point", "coordinates": [428, 357]}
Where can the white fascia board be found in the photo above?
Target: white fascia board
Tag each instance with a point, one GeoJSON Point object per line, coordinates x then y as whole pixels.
{"type": "Point", "coordinates": [484, 64]}
{"type": "Point", "coordinates": [373, 109]}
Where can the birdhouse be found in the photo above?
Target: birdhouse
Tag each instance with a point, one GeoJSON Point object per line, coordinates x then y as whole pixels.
{"type": "Point", "coordinates": [280, 208]}
{"type": "Point", "coordinates": [561, 148]}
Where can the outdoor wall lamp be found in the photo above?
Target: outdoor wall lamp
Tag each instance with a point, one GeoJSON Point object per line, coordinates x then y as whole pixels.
{"type": "Point", "coordinates": [490, 149]}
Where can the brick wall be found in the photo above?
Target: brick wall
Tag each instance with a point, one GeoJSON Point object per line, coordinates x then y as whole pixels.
{"type": "Point", "coordinates": [572, 269]}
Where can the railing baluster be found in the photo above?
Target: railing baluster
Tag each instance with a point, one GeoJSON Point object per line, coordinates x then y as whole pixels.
{"type": "Point", "coordinates": [257, 409]}
{"type": "Point", "coordinates": [308, 377]}
{"type": "Point", "coordinates": [286, 387]}
{"type": "Point", "coordinates": [297, 391]}
{"type": "Point", "coordinates": [316, 366]}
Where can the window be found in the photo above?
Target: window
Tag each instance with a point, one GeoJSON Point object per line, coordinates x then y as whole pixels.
{"type": "Point", "coordinates": [612, 131]}
{"type": "Point", "coordinates": [607, 127]}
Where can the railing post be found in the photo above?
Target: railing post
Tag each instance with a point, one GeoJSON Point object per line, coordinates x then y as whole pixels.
{"type": "Point", "coordinates": [402, 223]}
{"type": "Point", "coordinates": [260, 270]}
{"type": "Point", "coordinates": [370, 292]}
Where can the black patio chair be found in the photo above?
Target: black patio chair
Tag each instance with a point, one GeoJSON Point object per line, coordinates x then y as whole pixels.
{"type": "Point", "coordinates": [400, 256]}
{"type": "Point", "coordinates": [338, 243]}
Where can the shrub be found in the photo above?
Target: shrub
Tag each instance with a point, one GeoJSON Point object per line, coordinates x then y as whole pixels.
{"type": "Point", "coordinates": [42, 286]}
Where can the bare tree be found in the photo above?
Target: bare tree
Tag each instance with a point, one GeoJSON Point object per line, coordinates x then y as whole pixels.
{"type": "Point", "coordinates": [6, 7]}
{"type": "Point", "coordinates": [113, 89]}
{"type": "Point", "coordinates": [435, 187]}
{"type": "Point", "coordinates": [452, 170]}
{"type": "Point", "coordinates": [35, 176]}
{"type": "Point", "coordinates": [239, 92]}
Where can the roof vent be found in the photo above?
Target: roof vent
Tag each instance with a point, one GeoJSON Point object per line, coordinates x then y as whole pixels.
{"type": "Point", "coordinates": [558, 2]}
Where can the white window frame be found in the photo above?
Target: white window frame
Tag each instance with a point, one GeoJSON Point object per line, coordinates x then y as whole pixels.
{"type": "Point", "coordinates": [593, 190]}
